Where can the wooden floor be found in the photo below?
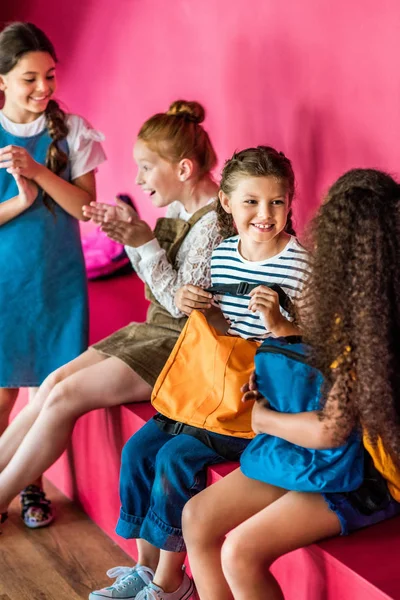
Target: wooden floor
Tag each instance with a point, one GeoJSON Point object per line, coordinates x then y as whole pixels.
{"type": "Point", "coordinates": [65, 561]}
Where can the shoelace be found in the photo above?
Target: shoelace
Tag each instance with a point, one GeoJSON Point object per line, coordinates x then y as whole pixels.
{"type": "Point", "coordinates": [148, 593]}
{"type": "Point", "coordinates": [125, 575]}
{"type": "Point", "coordinates": [119, 573]}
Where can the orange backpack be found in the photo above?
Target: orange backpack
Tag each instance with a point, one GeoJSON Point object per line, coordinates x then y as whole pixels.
{"type": "Point", "coordinates": [200, 383]}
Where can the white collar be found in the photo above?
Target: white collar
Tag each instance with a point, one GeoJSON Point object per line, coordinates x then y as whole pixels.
{"type": "Point", "coordinates": [23, 129]}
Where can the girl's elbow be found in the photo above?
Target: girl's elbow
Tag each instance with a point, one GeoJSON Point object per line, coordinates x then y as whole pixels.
{"type": "Point", "coordinates": [328, 439]}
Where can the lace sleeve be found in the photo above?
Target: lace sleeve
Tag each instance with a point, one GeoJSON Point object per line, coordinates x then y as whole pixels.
{"type": "Point", "coordinates": [193, 262]}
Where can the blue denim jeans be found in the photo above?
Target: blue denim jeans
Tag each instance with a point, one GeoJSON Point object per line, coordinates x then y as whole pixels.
{"type": "Point", "coordinates": [160, 472]}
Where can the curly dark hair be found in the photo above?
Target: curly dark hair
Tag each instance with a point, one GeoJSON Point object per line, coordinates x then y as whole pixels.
{"type": "Point", "coordinates": [262, 161]}
{"type": "Point", "coordinates": [352, 302]}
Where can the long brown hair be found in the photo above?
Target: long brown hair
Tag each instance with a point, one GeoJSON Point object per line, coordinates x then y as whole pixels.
{"type": "Point", "coordinates": [178, 134]}
{"type": "Point", "coordinates": [353, 302]}
{"type": "Point", "coordinates": [16, 40]}
{"type": "Point", "coordinates": [262, 161]}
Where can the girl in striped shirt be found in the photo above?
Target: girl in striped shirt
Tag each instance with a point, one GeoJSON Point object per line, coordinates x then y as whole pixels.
{"type": "Point", "coordinates": [165, 463]}
{"type": "Point", "coordinates": [260, 249]}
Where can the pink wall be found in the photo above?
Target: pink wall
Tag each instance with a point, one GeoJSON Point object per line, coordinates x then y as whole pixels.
{"type": "Point", "coordinates": [318, 79]}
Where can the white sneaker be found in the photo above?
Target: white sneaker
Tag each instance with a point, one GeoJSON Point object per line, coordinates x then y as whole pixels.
{"type": "Point", "coordinates": [128, 585]}
{"type": "Point", "coordinates": [154, 592]}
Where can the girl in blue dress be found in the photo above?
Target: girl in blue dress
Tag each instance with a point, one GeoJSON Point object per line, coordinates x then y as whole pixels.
{"type": "Point", "coordinates": [47, 164]}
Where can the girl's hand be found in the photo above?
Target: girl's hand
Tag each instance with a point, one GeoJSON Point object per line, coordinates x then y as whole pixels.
{"type": "Point", "coordinates": [27, 190]}
{"type": "Point", "coordinates": [133, 234]}
{"type": "Point", "coordinates": [250, 390]}
{"type": "Point", "coordinates": [18, 161]}
{"type": "Point", "coordinates": [266, 301]}
{"type": "Point", "coordinates": [191, 297]}
{"type": "Point", "coordinates": [259, 416]}
{"type": "Point", "coordinates": [106, 213]}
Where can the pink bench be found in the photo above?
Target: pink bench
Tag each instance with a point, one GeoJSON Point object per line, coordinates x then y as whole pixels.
{"type": "Point", "coordinates": [361, 567]}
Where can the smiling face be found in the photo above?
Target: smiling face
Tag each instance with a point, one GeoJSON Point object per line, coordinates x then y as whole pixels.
{"type": "Point", "coordinates": [259, 207]}
{"type": "Point", "coordinates": [157, 177]}
{"type": "Point", "coordinates": [28, 87]}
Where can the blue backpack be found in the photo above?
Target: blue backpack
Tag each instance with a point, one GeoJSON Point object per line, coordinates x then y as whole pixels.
{"type": "Point", "coordinates": [291, 384]}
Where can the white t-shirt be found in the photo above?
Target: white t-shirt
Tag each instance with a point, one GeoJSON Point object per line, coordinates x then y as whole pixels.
{"type": "Point", "coordinates": [85, 150]}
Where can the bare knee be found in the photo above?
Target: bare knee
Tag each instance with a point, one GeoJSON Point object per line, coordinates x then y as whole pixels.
{"type": "Point", "coordinates": [60, 399]}
{"type": "Point", "coordinates": [46, 388]}
{"type": "Point", "coordinates": [187, 522]}
{"type": "Point", "coordinates": [241, 559]}
{"type": "Point", "coordinates": [54, 378]}
{"type": "Point", "coordinates": [197, 530]}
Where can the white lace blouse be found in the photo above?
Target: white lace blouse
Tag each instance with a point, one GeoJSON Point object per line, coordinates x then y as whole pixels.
{"type": "Point", "coordinates": [85, 150]}
{"type": "Point", "coordinates": [193, 260]}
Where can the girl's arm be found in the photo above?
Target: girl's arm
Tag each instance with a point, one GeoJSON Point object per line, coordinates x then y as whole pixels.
{"type": "Point", "coordinates": [308, 429]}
{"type": "Point", "coordinates": [13, 207]}
{"type": "Point", "coordinates": [10, 209]}
{"type": "Point", "coordinates": [72, 197]}
{"type": "Point", "coordinates": [151, 263]}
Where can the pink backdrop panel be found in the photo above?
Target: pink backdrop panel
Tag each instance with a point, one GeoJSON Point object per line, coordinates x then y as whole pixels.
{"type": "Point", "coordinates": [317, 79]}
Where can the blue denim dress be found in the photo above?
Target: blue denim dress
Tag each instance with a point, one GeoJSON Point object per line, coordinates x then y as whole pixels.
{"type": "Point", "coordinates": [43, 289]}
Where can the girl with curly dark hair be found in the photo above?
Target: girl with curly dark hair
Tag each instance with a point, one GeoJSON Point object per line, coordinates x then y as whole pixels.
{"type": "Point", "coordinates": [352, 321]}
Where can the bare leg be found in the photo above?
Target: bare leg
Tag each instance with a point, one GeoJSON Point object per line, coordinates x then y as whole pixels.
{"type": "Point", "coordinates": [148, 555]}
{"type": "Point", "coordinates": [101, 385]}
{"type": "Point", "coordinates": [35, 510]}
{"type": "Point", "coordinates": [8, 397]}
{"type": "Point", "coordinates": [208, 517]}
{"type": "Point", "coordinates": [293, 521]}
{"type": "Point", "coordinates": [16, 431]}
{"type": "Point", "coordinates": [169, 574]}
{"type": "Point", "coordinates": [32, 394]}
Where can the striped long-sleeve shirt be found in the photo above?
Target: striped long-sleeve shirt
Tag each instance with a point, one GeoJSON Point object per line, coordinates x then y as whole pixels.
{"type": "Point", "coordinates": [289, 269]}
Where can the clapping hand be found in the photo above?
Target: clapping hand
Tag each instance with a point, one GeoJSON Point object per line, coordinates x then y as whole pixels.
{"type": "Point", "coordinates": [100, 213]}
{"type": "Point", "coordinates": [134, 233]}
{"type": "Point", "coordinates": [18, 161]}
{"type": "Point", "coordinates": [27, 190]}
